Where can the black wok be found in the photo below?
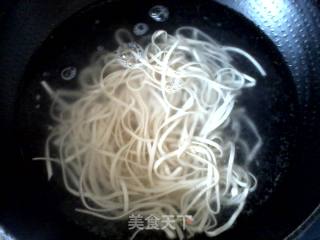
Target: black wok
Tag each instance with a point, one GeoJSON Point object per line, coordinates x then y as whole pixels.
{"type": "Point", "coordinates": [40, 38]}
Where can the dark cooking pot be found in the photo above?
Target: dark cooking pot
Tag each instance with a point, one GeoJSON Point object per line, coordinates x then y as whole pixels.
{"type": "Point", "coordinates": [39, 38]}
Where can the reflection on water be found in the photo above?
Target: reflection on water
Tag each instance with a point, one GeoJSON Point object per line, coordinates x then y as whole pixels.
{"type": "Point", "coordinates": [4, 235]}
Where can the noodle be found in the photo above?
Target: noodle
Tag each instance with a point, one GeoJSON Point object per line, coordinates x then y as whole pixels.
{"type": "Point", "coordinates": [154, 130]}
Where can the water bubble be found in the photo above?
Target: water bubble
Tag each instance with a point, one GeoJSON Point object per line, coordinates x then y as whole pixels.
{"type": "Point", "coordinates": [140, 29]}
{"type": "Point", "coordinates": [97, 21]}
{"type": "Point", "coordinates": [45, 74]}
{"type": "Point", "coordinates": [37, 106]}
{"type": "Point", "coordinates": [128, 53]}
{"type": "Point", "coordinates": [68, 73]}
{"type": "Point", "coordinates": [159, 13]}
{"type": "Point", "coordinates": [38, 97]}
{"type": "Point", "coordinates": [100, 48]}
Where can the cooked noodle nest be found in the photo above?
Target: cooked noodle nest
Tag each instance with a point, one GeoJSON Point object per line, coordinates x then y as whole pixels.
{"type": "Point", "coordinates": [156, 130]}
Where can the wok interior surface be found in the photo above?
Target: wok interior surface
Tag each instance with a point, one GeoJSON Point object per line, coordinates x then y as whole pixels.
{"type": "Point", "coordinates": [283, 166]}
